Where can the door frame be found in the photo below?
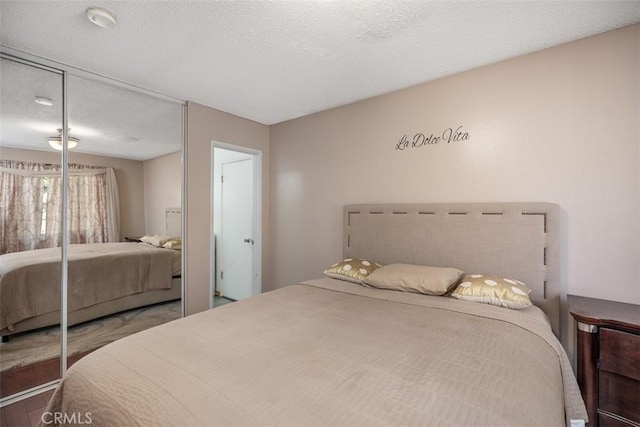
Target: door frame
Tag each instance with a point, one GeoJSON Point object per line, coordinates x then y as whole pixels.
{"type": "Point", "coordinates": [256, 159]}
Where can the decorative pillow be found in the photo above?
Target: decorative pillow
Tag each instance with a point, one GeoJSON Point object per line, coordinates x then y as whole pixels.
{"type": "Point", "coordinates": [414, 278]}
{"type": "Point", "coordinates": [156, 240]}
{"type": "Point", "coordinates": [493, 290]}
{"type": "Point", "coordinates": [173, 244]}
{"type": "Point", "coordinates": [352, 269]}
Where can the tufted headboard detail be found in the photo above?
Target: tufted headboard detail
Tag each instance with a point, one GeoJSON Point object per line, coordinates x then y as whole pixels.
{"type": "Point", "coordinates": [173, 222]}
{"type": "Point", "coordinates": [515, 240]}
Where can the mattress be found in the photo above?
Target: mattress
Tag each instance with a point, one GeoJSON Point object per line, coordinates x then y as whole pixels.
{"type": "Point", "coordinates": [330, 352]}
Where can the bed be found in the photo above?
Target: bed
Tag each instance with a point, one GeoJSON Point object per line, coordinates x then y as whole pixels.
{"type": "Point", "coordinates": [335, 352]}
{"type": "Point", "coordinates": [103, 279]}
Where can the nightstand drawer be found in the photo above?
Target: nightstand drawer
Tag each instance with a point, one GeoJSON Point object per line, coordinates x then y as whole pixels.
{"type": "Point", "coordinates": [619, 395]}
{"type": "Point", "coordinates": [620, 353]}
{"type": "Point", "coordinates": [608, 343]}
{"type": "Point", "coordinates": [607, 421]}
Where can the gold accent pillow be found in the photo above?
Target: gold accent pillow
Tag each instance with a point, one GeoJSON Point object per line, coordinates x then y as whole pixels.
{"type": "Point", "coordinates": [493, 290]}
{"type": "Point", "coordinates": [352, 269]}
{"type": "Point", "coordinates": [173, 244]}
{"type": "Point", "coordinates": [156, 240]}
{"type": "Point", "coordinates": [414, 278]}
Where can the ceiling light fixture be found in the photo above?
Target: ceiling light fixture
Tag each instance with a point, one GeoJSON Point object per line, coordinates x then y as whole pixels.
{"type": "Point", "coordinates": [101, 17]}
{"type": "Point", "coordinates": [56, 141]}
{"type": "Point", "coordinates": [44, 101]}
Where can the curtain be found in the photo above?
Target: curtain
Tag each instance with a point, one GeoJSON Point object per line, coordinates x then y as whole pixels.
{"type": "Point", "coordinates": [93, 206]}
{"type": "Point", "coordinates": [22, 185]}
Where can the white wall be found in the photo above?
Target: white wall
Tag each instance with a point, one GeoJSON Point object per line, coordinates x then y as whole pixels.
{"type": "Point", "coordinates": [559, 125]}
{"type": "Point", "coordinates": [162, 190]}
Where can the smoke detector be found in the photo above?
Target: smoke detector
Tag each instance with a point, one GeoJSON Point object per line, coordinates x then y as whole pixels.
{"type": "Point", "coordinates": [101, 17]}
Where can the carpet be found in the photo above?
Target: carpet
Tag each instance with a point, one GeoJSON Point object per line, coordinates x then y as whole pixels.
{"type": "Point", "coordinates": [26, 349]}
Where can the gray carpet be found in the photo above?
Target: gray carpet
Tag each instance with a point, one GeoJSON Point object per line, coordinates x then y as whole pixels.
{"type": "Point", "coordinates": [44, 344]}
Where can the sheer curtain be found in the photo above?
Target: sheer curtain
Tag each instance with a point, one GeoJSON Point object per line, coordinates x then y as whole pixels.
{"type": "Point", "coordinates": [22, 185]}
{"type": "Point", "coordinates": [93, 211]}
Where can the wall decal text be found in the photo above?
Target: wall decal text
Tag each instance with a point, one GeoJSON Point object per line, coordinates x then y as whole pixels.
{"type": "Point", "coordinates": [421, 140]}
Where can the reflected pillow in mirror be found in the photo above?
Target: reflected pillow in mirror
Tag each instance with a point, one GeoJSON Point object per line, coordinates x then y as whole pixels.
{"type": "Point", "coordinates": [173, 244]}
{"type": "Point", "coordinates": [156, 240]}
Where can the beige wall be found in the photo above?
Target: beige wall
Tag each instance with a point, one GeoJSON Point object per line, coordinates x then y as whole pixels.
{"type": "Point", "coordinates": [162, 190]}
{"type": "Point", "coordinates": [205, 125]}
{"type": "Point", "coordinates": [559, 125]}
{"type": "Point", "coordinates": [129, 174]}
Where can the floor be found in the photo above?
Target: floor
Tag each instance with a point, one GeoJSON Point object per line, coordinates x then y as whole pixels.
{"type": "Point", "coordinates": [27, 412]}
{"type": "Point", "coordinates": [218, 301]}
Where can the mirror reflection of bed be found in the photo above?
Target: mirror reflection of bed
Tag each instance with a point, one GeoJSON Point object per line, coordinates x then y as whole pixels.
{"type": "Point", "coordinates": [115, 289]}
{"type": "Point", "coordinates": [104, 279]}
{"type": "Point", "coordinates": [124, 183]}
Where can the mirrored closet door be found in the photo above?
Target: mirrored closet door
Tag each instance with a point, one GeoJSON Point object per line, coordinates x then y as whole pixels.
{"type": "Point", "coordinates": [124, 199]}
{"type": "Point", "coordinates": [30, 226]}
{"type": "Point", "coordinates": [120, 190]}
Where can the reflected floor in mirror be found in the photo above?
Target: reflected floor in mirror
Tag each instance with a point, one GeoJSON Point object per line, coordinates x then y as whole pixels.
{"type": "Point", "coordinates": [25, 413]}
{"type": "Point", "coordinates": [23, 376]}
{"type": "Point", "coordinates": [31, 359]}
{"type": "Point", "coordinates": [33, 347]}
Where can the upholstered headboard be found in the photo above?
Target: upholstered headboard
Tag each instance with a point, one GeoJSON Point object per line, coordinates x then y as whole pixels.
{"type": "Point", "coordinates": [173, 219]}
{"type": "Point", "coordinates": [515, 240]}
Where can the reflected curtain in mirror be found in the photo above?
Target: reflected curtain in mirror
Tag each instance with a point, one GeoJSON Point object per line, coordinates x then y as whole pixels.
{"type": "Point", "coordinates": [31, 205]}
{"type": "Point", "coordinates": [22, 201]}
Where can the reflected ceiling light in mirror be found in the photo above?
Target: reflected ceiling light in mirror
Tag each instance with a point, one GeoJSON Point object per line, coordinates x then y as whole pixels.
{"type": "Point", "coordinates": [56, 141]}
{"type": "Point", "coordinates": [44, 101]}
{"type": "Point", "coordinates": [101, 17]}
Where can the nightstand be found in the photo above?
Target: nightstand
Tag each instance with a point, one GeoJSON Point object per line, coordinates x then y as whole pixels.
{"type": "Point", "coordinates": [608, 360]}
{"type": "Point", "coordinates": [132, 239]}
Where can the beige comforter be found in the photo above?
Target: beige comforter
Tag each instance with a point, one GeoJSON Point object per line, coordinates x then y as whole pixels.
{"type": "Point", "coordinates": [29, 281]}
{"type": "Point", "coordinates": [330, 352]}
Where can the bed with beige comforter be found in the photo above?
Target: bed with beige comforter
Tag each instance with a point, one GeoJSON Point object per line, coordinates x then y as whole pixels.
{"type": "Point", "coordinates": [330, 352]}
{"type": "Point", "coordinates": [97, 273]}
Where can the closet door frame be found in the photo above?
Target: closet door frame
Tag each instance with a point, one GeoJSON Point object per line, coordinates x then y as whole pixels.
{"type": "Point", "coordinates": [64, 226]}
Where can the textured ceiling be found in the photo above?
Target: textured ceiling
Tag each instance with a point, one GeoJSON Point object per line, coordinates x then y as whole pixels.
{"type": "Point", "coordinates": [272, 61]}
{"type": "Point", "coordinates": [108, 120]}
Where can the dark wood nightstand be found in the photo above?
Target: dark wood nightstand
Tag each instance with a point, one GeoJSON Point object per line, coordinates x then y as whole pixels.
{"type": "Point", "coordinates": [608, 360]}
{"type": "Point", "coordinates": [132, 239]}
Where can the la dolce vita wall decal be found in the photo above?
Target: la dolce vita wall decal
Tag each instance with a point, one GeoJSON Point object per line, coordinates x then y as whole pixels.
{"type": "Point", "coordinates": [422, 140]}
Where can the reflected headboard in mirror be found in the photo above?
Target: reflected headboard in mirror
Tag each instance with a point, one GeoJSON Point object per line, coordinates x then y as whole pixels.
{"type": "Point", "coordinates": [173, 222]}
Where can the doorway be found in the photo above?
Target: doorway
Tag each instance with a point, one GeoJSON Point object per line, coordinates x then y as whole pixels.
{"type": "Point", "coordinates": [237, 220]}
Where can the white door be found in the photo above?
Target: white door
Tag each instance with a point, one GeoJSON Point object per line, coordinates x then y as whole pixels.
{"type": "Point", "coordinates": [236, 235]}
